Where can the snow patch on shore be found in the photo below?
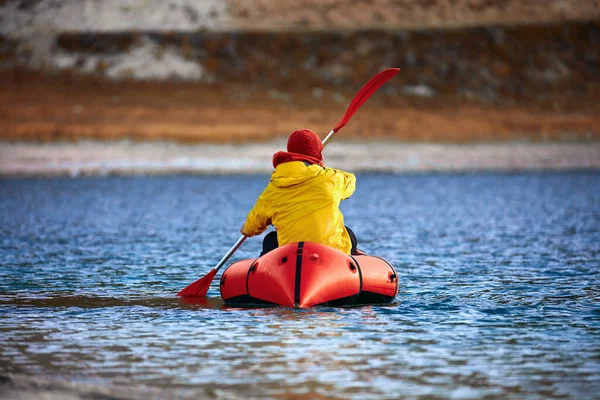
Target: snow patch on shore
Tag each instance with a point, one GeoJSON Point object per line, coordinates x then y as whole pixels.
{"type": "Point", "coordinates": [146, 60]}
{"type": "Point", "coordinates": [36, 25]}
{"type": "Point", "coordinates": [21, 16]}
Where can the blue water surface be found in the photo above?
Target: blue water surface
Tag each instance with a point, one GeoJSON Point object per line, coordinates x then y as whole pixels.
{"type": "Point", "coordinates": [499, 292]}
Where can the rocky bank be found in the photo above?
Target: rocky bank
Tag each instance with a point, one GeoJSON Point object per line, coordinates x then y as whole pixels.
{"type": "Point", "coordinates": [245, 71]}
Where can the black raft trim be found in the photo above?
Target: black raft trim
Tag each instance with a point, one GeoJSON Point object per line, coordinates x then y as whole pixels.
{"type": "Point", "coordinates": [373, 298]}
{"type": "Point", "coordinates": [359, 274]}
{"type": "Point", "coordinates": [298, 274]}
{"type": "Point", "coordinates": [250, 269]}
{"type": "Point", "coordinates": [246, 300]}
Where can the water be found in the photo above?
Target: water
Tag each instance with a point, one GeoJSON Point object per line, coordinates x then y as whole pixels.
{"type": "Point", "coordinates": [499, 292]}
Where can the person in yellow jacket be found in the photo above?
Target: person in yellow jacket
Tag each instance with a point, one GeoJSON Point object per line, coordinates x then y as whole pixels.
{"type": "Point", "coordinates": [302, 200]}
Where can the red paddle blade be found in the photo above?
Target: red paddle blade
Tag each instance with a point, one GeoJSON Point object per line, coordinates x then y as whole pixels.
{"type": "Point", "coordinates": [364, 93]}
{"type": "Point", "coordinates": [200, 287]}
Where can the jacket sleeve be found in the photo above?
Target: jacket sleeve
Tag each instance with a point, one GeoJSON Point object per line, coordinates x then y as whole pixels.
{"type": "Point", "coordinates": [258, 218]}
{"type": "Point", "coordinates": [346, 183]}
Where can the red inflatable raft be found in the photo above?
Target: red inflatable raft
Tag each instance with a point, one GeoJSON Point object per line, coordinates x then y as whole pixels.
{"type": "Point", "coordinates": [308, 274]}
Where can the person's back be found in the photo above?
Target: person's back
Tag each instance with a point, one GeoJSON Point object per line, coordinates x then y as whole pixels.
{"type": "Point", "coordinates": [302, 200]}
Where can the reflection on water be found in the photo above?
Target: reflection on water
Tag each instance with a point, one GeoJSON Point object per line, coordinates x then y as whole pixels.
{"type": "Point", "coordinates": [499, 292]}
{"type": "Point", "coordinates": [92, 301]}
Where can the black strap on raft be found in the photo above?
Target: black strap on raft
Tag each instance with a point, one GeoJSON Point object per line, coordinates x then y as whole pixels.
{"type": "Point", "coordinates": [298, 274]}
{"type": "Point", "coordinates": [360, 278]}
{"type": "Point", "coordinates": [251, 269]}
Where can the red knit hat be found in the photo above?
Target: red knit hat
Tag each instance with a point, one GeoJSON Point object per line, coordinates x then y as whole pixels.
{"type": "Point", "coordinates": [305, 141]}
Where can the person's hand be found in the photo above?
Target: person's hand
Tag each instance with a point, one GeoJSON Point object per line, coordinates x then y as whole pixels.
{"type": "Point", "coordinates": [242, 229]}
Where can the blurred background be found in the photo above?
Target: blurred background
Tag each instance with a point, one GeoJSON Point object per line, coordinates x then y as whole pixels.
{"type": "Point", "coordinates": [250, 71]}
{"type": "Point", "coordinates": [498, 271]}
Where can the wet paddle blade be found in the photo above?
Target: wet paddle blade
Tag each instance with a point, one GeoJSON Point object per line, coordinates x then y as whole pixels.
{"type": "Point", "coordinates": [364, 93]}
{"type": "Point", "coordinates": [200, 287]}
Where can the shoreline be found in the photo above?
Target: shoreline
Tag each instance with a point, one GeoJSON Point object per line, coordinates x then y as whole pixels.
{"type": "Point", "coordinates": [129, 158]}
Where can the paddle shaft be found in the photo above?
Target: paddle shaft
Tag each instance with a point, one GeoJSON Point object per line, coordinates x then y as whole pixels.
{"type": "Point", "coordinates": [230, 252]}
{"type": "Point", "coordinates": [328, 138]}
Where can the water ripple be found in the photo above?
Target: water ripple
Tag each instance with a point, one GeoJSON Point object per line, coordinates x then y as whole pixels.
{"type": "Point", "coordinates": [499, 292]}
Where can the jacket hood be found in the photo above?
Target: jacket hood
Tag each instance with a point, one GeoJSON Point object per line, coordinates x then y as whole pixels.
{"type": "Point", "coordinates": [293, 173]}
{"type": "Point", "coordinates": [285, 156]}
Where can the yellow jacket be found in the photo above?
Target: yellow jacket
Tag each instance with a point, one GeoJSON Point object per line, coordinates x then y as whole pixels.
{"type": "Point", "coordinates": [302, 202]}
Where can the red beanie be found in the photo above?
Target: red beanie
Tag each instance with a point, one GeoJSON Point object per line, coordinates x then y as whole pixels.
{"type": "Point", "coordinates": [305, 141]}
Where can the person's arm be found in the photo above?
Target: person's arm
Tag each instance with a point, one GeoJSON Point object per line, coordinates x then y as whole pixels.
{"type": "Point", "coordinates": [346, 183]}
{"type": "Point", "coordinates": [258, 218]}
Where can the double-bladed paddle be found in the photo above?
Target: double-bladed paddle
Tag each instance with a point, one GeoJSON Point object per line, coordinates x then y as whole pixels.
{"type": "Point", "coordinates": [200, 287]}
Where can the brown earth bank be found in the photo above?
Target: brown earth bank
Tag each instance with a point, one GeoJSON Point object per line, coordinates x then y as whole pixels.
{"type": "Point", "coordinates": [535, 82]}
{"type": "Point", "coordinates": [548, 65]}
{"type": "Point", "coordinates": [67, 107]}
